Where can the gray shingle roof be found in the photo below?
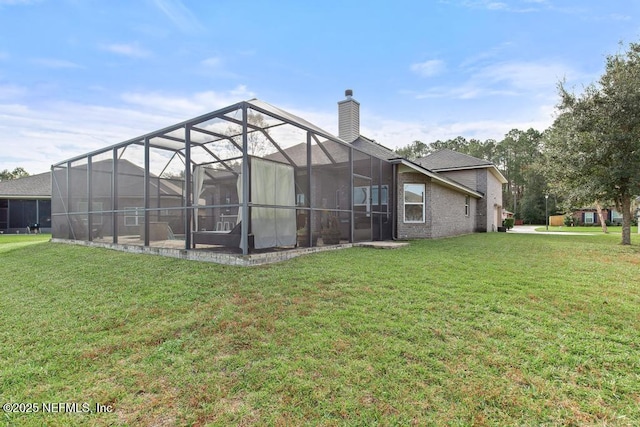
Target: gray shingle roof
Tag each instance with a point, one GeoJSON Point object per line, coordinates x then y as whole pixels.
{"type": "Point", "coordinates": [449, 160]}
{"type": "Point", "coordinates": [373, 148]}
{"type": "Point", "coordinates": [37, 186]}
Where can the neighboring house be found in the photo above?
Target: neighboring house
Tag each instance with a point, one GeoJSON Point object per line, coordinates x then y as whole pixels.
{"type": "Point", "coordinates": [163, 194]}
{"type": "Point", "coordinates": [589, 216]}
{"type": "Point", "coordinates": [25, 201]}
{"type": "Point", "coordinates": [306, 181]}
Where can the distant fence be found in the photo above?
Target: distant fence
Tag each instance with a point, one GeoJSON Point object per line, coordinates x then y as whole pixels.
{"type": "Point", "coordinates": [556, 220]}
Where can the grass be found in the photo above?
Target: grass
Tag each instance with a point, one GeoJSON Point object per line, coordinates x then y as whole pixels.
{"type": "Point", "coordinates": [612, 229]}
{"type": "Point", "coordinates": [485, 329]}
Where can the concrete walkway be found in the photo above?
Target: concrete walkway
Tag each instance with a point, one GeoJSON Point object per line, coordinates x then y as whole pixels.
{"type": "Point", "coordinates": [385, 244]}
{"type": "Point", "coordinates": [531, 229]}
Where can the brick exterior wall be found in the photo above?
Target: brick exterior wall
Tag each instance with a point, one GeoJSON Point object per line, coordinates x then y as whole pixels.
{"type": "Point", "coordinates": [483, 216]}
{"type": "Point", "coordinates": [489, 208]}
{"type": "Point", "coordinates": [444, 210]}
{"type": "Point", "coordinates": [493, 198]}
{"type": "Point", "coordinates": [448, 213]}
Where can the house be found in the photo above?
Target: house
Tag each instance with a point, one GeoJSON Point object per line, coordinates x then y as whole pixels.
{"type": "Point", "coordinates": [589, 216]}
{"type": "Point", "coordinates": [163, 194]}
{"type": "Point", "coordinates": [25, 201]}
{"type": "Point", "coordinates": [252, 176]}
{"type": "Point", "coordinates": [481, 175]}
{"type": "Point", "coordinates": [443, 194]}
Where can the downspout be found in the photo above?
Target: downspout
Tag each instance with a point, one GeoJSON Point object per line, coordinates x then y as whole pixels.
{"type": "Point", "coordinates": [394, 216]}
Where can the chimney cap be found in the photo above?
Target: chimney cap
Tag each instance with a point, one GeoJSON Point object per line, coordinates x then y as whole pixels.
{"type": "Point", "coordinates": [348, 93]}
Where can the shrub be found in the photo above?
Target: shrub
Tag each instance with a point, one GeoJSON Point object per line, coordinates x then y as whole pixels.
{"type": "Point", "coordinates": [508, 222]}
{"type": "Point", "coordinates": [569, 221]}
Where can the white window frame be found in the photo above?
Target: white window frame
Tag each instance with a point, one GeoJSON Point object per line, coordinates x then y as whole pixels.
{"type": "Point", "coordinates": [589, 218]}
{"type": "Point", "coordinates": [423, 203]}
{"type": "Point", "coordinates": [135, 213]}
{"type": "Point", "coordinates": [616, 216]}
{"type": "Point", "coordinates": [466, 205]}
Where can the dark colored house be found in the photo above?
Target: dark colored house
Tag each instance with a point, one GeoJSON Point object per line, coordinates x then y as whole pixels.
{"type": "Point", "coordinates": [25, 201]}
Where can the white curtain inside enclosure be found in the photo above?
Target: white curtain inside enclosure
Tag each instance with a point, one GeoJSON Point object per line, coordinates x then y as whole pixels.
{"type": "Point", "coordinates": [198, 182]}
{"type": "Point", "coordinates": [272, 183]}
{"type": "Point", "coordinates": [239, 189]}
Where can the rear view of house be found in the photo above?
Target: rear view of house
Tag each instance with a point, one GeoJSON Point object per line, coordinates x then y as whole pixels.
{"type": "Point", "coordinates": [443, 194]}
{"type": "Point", "coordinates": [252, 176]}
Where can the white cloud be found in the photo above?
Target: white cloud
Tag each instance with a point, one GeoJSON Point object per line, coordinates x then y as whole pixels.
{"type": "Point", "coordinates": [428, 68]}
{"type": "Point", "coordinates": [181, 17]}
{"type": "Point", "coordinates": [213, 62]}
{"type": "Point", "coordinates": [524, 76]}
{"type": "Point", "coordinates": [514, 6]}
{"type": "Point", "coordinates": [191, 106]}
{"type": "Point", "coordinates": [397, 133]}
{"type": "Point", "coordinates": [484, 56]}
{"type": "Point", "coordinates": [515, 78]}
{"type": "Point", "coordinates": [11, 91]}
{"type": "Point", "coordinates": [61, 130]}
{"type": "Point", "coordinates": [619, 17]}
{"type": "Point", "coordinates": [130, 50]}
{"type": "Point", "coordinates": [15, 2]}
{"type": "Point", "coordinates": [496, 6]}
{"type": "Point", "coordinates": [215, 66]}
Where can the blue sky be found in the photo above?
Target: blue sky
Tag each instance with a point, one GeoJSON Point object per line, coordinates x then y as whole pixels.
{"type": "Point", "coordinates": [78, 75]}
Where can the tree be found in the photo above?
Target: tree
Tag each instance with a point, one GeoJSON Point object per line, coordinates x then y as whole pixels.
{"type": "Point", "coordinates": [595, 141]}
{"type": "Point", "coordinates": [258, 140]}
{"type": "Point", "coordinates": [517, 155]}
{"type": "Point", "coordinates": [563, 164]}
{"type": "Point", "coordinates": [414, 150]}
{"type": "Point", "coordinates": [18, 172]}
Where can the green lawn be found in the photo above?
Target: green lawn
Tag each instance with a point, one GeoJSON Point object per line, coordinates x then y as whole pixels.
{"type": "Point", "coordinates": [613, 229]}
{"type": "Point", "coordinates": [485, 329]}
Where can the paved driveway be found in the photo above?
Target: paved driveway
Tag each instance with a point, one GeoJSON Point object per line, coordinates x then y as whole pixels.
{"type": "Point", "coordinates": [531, 229]}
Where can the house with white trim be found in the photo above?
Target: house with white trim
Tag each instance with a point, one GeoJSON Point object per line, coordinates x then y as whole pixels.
{"type": "Point", "coordinates": [252, 176]}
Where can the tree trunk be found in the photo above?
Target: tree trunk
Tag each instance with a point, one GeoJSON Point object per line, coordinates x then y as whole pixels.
{"type": "Point", "coordinates": [602, 220]}
{"type": "Point", "coordinates": [626, 220]}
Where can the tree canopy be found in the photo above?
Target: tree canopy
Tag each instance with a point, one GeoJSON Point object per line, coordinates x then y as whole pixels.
{"type": "Point", "coordinates": [516, 156]}
{"type": "Point", "coordinates": [593, 148]}
{"type": "Point", "coordinates": [18, 172]}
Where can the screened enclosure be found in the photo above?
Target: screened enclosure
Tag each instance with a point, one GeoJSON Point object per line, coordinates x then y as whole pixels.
{"type": "Point", "coordinates": [249, 177]}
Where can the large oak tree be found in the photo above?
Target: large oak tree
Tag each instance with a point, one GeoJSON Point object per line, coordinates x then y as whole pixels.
{"type": "Point", "coordinates": [594, 143]}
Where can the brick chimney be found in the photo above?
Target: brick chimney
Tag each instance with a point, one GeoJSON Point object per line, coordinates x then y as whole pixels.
{"type": "Point", "coordinates": [349, 118]}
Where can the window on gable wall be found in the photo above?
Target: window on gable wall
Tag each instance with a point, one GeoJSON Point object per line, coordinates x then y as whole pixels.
{"type": "Point", "coordinates": [414, 202]}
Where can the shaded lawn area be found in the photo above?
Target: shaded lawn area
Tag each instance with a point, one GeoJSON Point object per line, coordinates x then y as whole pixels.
{"type": "Point", "coordinates": [483, 329]}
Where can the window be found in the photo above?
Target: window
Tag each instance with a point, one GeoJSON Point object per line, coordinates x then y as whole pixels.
{"type": "Point", "coordinates": [466, 206]}
{"type": "Point", "coordinates": [384, 190]}
{"type": "Point", "coordinates": [616, 216]}
{"type": "Point", "coordinates": [133, 216]}
{"type": "Point", "coordinates": [414, 202]}
{"type": "Point", "coordinates": [588, 217]}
